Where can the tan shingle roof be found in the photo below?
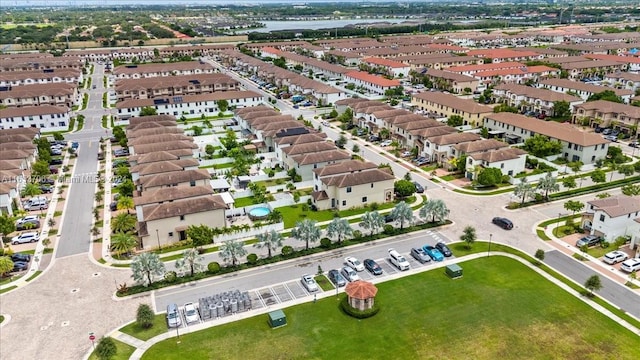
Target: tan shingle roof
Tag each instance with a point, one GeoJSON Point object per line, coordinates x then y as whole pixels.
{"type": "Point", "coordinates": [605, 107]}
{"type": "Point", "coordinates": [480, 146]}
{"type": "Point", "coordinates": [26, 146]}
{"type": "Point", "coordinates": [454, 138]}
{"type": "Point", "coordinates": [301, 139]}
{"type": "Point", "coordinates": [164, 82]}
{"type": "Point", "coordinates": [454, 102]}
{"type": "Point", "coordinates": [247, 110]}
{"type": "Point", "coordinates": [153, 131]}
{"type": "Point", "coordinates": [307, 148]}
{"type": "Point", "coordinates": [14, 154]}
{"type": "Point", "coordinates": [10, 165]}
{"type": "Point", "coordinates": [551, 129]}
{"type": "Point", "coordinates": [186, 99]}
{"type": "Point", "coordinates": [167, 67]}
{"type": "Point", "coordinates": [448, 75]}
{"type": "Point", "coordinates": [433, 131]}
{"type": "Point", "coordinates": [358, 178]}
{"type": "Point", "coordinates": [166, 146]}
{"type": "Point", "coordinates": [32, 111]}
{"type": "Point", "coordinates": [151, 118]}
{"type": "Point", "coordinates": [173, 177]}
{"type": "Point", "coordinates": [36, 90]}
{"type": "Point", "coordinates": [616, 206]}
{"type": "Point", "coordinates": [151, 125]}
{"type": "Point", "coordinates": [152, 157]}
{"type": "Point", "coordinates": [29, 131]}
{"type": "Point", "coordinates": [319, 157]}
{"type": "Point", "coordinates": [578, 85]}
{"type": "Point", "coordinates": [14, 138]}
{"type": "Point", "coordinates": [184, 207]}
{"type": "Point", "coordinates": [419, 124]}
{"type": "Point", "coordinates": [152, 139]}
{"type": "Point", "coordinates": [498, 155]}
{"type": "Point", "coordinates": [344, 167]}
{"type": "Point", "coordinates": [162, 195]}
{"type": "Point", "coordinates": [537, 93]}
{"type": "Point", "coordinates": [163, 166]}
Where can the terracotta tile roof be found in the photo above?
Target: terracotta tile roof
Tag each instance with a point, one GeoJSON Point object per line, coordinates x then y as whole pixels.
{"type": "Point", "coordinates": [551, 129]}
{"type": "Point", "coordinates": [301, 139]}
{"type": "Point", "coordinates": [159, 167]}
{"type": "Point", "coordinates": [501, 53]}
{"type": "Point", "coordinates": [317, 195]}
{"type": "Point", "coordinates": [131, 135]}
{"type": "Point", "coordinates": [372, 79]}
{"type": "Point", "coordinates": [519, 71]}
{"type": "Point", "coordinates": [480, 146]}
{"type": "Point", "coordinates": [448, 75]}
{"type": "Point", "coordinates": [160, 138]}
{"type": "Point", "coordinates": [320, 157]}
{"type": "Point", "coordinates": [357, 178]}
{"type": "Point", "coordinates": [486, 67]}
{"type": "Point", "coordinates": [173, 177]}
{"type": "Point", "coordinates": [454, 138]}
{"type": "Point", "coordinates": [184, 207]}
{"type": "Point", "coordinates": [579, 85]}
{"type": "Point", "coordinates": [150, 157]}
{"type": "Point", "coordinates": [433, 131]}
{"type": "Point", "coordinates": [466, 105]}
{"type": "Point", "coordinates": [627, 76]}
{"type": "Point", "coordinates": [498, 155]}
{"type": "Point", "coordinates": [136, 120]}
{"type": "Point", "coordinates": [616, 206]}
{"type": "Point", "coordinates": [614, 58]}
{"type": "Point", "coordinates": [537, 93]}
{"type": "Point", "coordinates": [608, 107]}
{"type": "Point", "coordinates": [178, 193]}
{"type": "Point", "coordinates": [567, 59]}
{"type": "Point", "coordinates": [307, 148]}
{"type": "Point", "coordinates": [344, 167]}
{"type": "Point", "coordinates": [384, 62]}
{"type": "Point", "coordinates": [166, 146]}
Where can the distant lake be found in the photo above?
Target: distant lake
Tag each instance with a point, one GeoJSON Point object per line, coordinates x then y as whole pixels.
{"type": "Point", "coordinates": [316, 24]}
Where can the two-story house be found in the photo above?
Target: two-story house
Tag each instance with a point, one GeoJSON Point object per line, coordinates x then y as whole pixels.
{"type": "Point", "coordinates": [527, 98]}
{"type": "Point", "coordinates": [613, 217]}
{"type": "Point", "coordinates": [446, 105]}
{"type": "Point", "coordinates": [623, 117]}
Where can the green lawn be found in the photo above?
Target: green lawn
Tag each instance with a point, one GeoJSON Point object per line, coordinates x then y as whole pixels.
{"type": "Point", "coordinates": [123, 351]}
{"type": "Point", "coordinates": [242, 202]}
{"type": "Point", "coordinates": [499, 309]}
{"type": "Point", "coordinates": [159, 327]}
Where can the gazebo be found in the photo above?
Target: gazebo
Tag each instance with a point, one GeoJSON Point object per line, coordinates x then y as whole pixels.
{"type": "Point", "coordinates": [361, 294]}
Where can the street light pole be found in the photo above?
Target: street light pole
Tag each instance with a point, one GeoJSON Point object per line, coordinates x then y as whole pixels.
{"type": "Point", "coordinates": [177, 314]}
{"type": "Point", "coordinates": [489, 250]}
{"type": "Point", "coordinates": [558, 223]}
{"type": "Point", "coordinates": [158, 237]}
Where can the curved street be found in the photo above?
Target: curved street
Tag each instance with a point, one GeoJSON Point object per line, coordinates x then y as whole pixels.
{"type": "Point", "coordinates": [52, 315]}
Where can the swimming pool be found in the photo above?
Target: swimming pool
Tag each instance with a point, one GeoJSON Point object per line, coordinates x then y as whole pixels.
{"type": "Point", "coordinates": [259, 213]}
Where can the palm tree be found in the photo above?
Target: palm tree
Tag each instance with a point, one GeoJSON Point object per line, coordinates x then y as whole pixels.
{"type": "Point", "coordinates": [307, 231]}
{"type": "Point", "coordinates": [191, 260]}
{"type": "Point", "coordinates": [402, 212]}
{"type": "Point", "coordinates": [145, 265]}
{"type": "Point", "coordinates": [123, 243]}
{"type": "Point", "coordinates": [232, 250]}
{"type": "Point", "coordinates": [31, 190]}
{"type": "Point", "coordinates": [123, 223]}
{"type": "Point", "coordinates": [548, 184]}
{"type": "Point", "coordinates": [372, 221]}
{"type": "Point", "coordinates": [468, 236]}
{"type": "Point", "coordinates": [523, 190]}
{"type": "Point", "coordinates": [436, 209]}
{"type": "Point", "coordinates": [125, 202]}
{"type": "Point", "coordinates": [269, 239]}
{"type": "Point", "coordinates": [339, 228]}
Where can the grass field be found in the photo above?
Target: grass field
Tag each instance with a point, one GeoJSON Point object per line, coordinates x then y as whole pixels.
{"type": "Point", "coordinates": [159, 327]}
{"type": "Point", "coordinates": [123, 351]}
{"type": "Point", "coordinates": [499, 309]}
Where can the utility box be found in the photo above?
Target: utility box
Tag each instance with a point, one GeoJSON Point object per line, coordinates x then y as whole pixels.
{"type": "Point", "coordinates": [277, 319]}
{"type": "Point", "coordinates": [454, 271]}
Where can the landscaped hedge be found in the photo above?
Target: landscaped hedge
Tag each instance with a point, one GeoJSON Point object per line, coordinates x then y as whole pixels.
{"type": "Point", "coordinates": [136, 289]}
{"type": "Point", "coordinates": [356, 313]}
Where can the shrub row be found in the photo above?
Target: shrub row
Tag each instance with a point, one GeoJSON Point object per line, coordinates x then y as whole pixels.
{"type": "Point", "coordinates": [357, 313]}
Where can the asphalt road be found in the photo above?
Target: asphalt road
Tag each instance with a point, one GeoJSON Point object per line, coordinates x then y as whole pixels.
{"type": "Point", "coordinates": [611, 291]}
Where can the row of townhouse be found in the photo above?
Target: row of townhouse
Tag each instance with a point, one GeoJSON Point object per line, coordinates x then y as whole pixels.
{"type": "Point", "coordinates": [581, 89]}
{"type": "Point", "coordinates": [450, 81]}
{"type": "Point", "coordinates": [339, 182]}
{"type": "Point", "coordinates": [505, 55]}
{"type": "Point", "coordinates": [520, 75]}
{"type": "Point", "coordinates": [17, 78]}
{"type": "Point", "coordinates": [392, 68]}
{"type": "Point", "coordinates": [623, 117]}
{"type": "Point", "coordinates": [60, 94]}
{"type": "Point", "coordinates": [446, 105]}
{"type": "Point", "coordinates": [436, 141]}
{"type": "Point", "coordinates": [296, 83]}
{"type": "Point", "coordinates": [632, 63]}
{"type": "Point", "coordinates": [437, 61]}
{"type": "Point", "coordinates": [189, 105]}
{"type": "Point", "coordinates": [527, 98]}
{"type": "Point", "coordinates": [148, 53]}
{"type": "Point", "coordinates": [45, 117]}
{"type": "Point", "coordinates": [39, 64]}
{"type": "Point", "coordinates": [309, 63]}
{"type": "Point", "coordinates": [17, 154]}
{"type": "Point", "coordinates": [138, 71]}
{"type": "Point", "coordinates": [172, 193]}
{"type": "Point", "coordinates": [148, 88]}
{"type": "Point", "coordinates": [577, 145]}
{"type": "Point", "coordinates": [622, 80]}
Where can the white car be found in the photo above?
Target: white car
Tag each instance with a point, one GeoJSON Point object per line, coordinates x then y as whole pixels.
{"type": "Point", "coordinates": [350, 274]}
{"type": "Point", "coordinates": [630, 265]}
{"type": "Point", "coordinates": [354, 263]}
{"type": "Point", "coordinates": [615, 257]}
{"type": "Point", "coordinates": [386, 143]}
{"type": "Point", "coordinates": [309, 283]}
{"type": "Point", "coordinates": [26, 237]}
{"type": "Point", "coordinates": [191, 313]}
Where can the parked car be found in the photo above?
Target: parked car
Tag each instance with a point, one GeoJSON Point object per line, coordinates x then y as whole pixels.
{"type": "Point", "coordinates": [611, 138]}
{"type": "Point", "coordinates": [120, 153]}
{"type": "Point", "coordinates": [607, 131]}
{"type": "Point", "coordinates": [191, 313]}
{"type": "Point", "coordinates": [406, 154]}
{"type": "Point", "coordinates": [615, 257]}
{"type": "Point", "coordinates": [444, 249]}
{"type": "Point", "coordinates": [503, 223]}
{"type": "Point", "coordinates": [630, 265]}
{"type": "Point", "coordinates": [589, 240]}
{"type": "Point", "coordinates": [336, 278]}
{"type": "Point", "coordinates": [350, 274]}
{"type": "Point", "coordinates": [55, 162]}
{"type": "Point", "coordinates": [47, 181]}
{"type": "Point", "coordinates": [398, 260]}
{"type": "Point", "coordinates": [372, 266]}
{"type": "Point", "coordinates": [53, 169]}
{"type": "Point", "coordinates": [46, 189]}
{"type": "Point", "coordinates": [28, 222]}
{"type": "Point", "coordinates": [20, 266]}
{"type": "Point", "coordinates": [389, 218]}
{"type": "Point", "coordinates": [20, 257]}
{"type": "Point", "coordinates": [309, 283]}
{"type": "Point", "coordinates": [386, 143]}
{"type": "Point", "coordinates": [433, 253]}
{"type": "Point", "coordinates": [25, 237]}
{"type": "Point", "coordinates": [354, 263]}
{"type": "Point", "coordinates": [173, 316]}
{"type": "Point", "coordinates": [113, 206]}
{"type": "Point", "coordinates": [419, 188]}
{"type": "Point", "coordinates": [420, 255]}
{"type": "Point", "coordinates": [374, 138]}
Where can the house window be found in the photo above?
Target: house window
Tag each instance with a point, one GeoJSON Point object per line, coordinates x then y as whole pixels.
{"type": "Point", "coordinates": [364, 199]}
{"type": "Point", "coordinates": [181, 217]}
{"type": "Point", "coordinates": [192, 183]}
{"type": "Point", "coordinates": [602, 217]}
{"type": "Point", "coordinates": [372, 185]}
{"type": "Point", "coordinates": [344, 202]}
{"type": "Point", "coordinates": [348, 189]}
{"type": "Point", "coordinates": [170, 233]}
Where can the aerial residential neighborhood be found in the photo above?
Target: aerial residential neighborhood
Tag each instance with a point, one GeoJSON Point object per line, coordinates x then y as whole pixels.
{"type": "Point", "coordinates": [201, 182]}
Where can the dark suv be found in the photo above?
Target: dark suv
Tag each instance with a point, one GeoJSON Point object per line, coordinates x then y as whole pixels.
{"type": "Point", "coordinates": [503, 223]}
{"type": "Point", "coordinates": [589, 240]}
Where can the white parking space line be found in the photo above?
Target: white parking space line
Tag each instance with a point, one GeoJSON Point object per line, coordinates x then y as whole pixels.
{"type": "Point", "coordinates": [293, 296]}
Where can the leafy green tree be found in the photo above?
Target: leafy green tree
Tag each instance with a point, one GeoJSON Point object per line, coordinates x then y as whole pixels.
{"type": "Point", "coordinates": [123, 243]}
{"type": "Point", "coordinates": [593, 283]}
{"type": "Point", "coordinates": [230, 140]}
{"type": "Point", "coordinates": [608, 95]}
{"type": "Point", "coordinates": [145, 266]}
{"type": "Point", "coordinates": [541, 146]}
{"type": "Point", "coordinates": [148, 111]}
{"type": "Point", "coordinates": [197, 130]}
{"type": "Point", "coordinates": [561, 109]}
{"type": "Point", "coordinates": [200, 235]}
{"type": "Point", "coordinates": [232, 250]}
{"type": "Point", "coordinates": [372, 220]}
{"type": "Point", "coordinates": [626, 170]}
{"type": "Point", "coordinates": [539, 254]}
{"type": "Point", "coordinates": [274, 216]}
{"type": "Point", "coordinates": [404, 188]}
{"type": "Point", "coordinates": [489, 176]}
{"type": "Point", "coordinates": [57, 136]}
{"type": "Point", "coordinates": [505, 108]}
{"type": "Point", "coordinates": [40, 168]}
{"type": "Point", "coordinates": [31, 190]}
{"type": "Point", "coordinates": [402, 213]}
{"type": "Point", "coordinates": [6, 265]}
{"type": "Point", "coordinates": [574, 206]}
{"type": "Point", "coordinates": [333, 114]}
{"type": "Point", "coordinates": [7, 226]}
{"type": "Point", "coordinates": [271, 240]}
{"type": "Point", "coordinates": [123, 223]}
{"type": "Point", "coordinates": [523, 190]}
{"type": "Point", "coordinates": [340, 229]}
{"type": "Point", "coordinates": [209, 149]}
{"type": "Point", "coordinates": [307, 231]}
{"type": "Point", "coordinates": [106, 348]}
{"type": "Point", "coordinates": [468, 236]}
{"type": "Point", "coordinates": [125, 203]}
{"type": "Point", "coordinates": [341, 142]}
{"type": "Point", "coordinates": [569, 182]}
{"type": "Point", "coordinates": [598, 176]}
{"type": "Point", "coordinates": [575, 166]}
{"type": "Point", "coordinates": [144, 316]}
{"type": "Point", "coordinates": [126, 188]}
{"type": "Point", "coordinates": [223, 105]}
{"type": "Point", "coordinates": [455, 120]}
{"type": "Point", "coordinates": [548, 184]}
{"type": "Point", "coordinates": [631, 189]}
{"type": "Point", "coordinates": [436, 209]}
{"type": "Point", "coordinates": [190, 260]}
